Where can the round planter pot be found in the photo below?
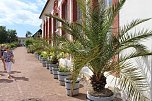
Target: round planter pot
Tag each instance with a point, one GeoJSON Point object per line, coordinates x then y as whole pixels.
{"type": "Point", "coordinates": [62, 76]}
{"type": "Point", "coordinates": [68, 84]}
{"type": "Point", "coordinates": [50, 68]}
{"type": "Point", "coordinates": [47, 65]}
{"type": "Point", "coordinates": [55, 72]}
{"type": "Point", "coordinates": [95, 98]}
{"type": "Point", "coordinates": [44, 62]}
{"type": "Point", "coordinates": [41, 59]}
{"type": "Point", "coordinates": [36, 55]}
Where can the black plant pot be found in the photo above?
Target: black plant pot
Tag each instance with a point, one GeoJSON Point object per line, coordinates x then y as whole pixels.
{"type": "Point", "coordinates": [55, 70]}
{"type": "Point", "coordinates": [62, 76]}
{"type": "Point", "coordinates": [68, 85]}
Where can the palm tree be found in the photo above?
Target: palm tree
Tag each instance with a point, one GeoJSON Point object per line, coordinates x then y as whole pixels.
{"type": "Point", "coordinates": [94, 44]}
{"type": "Point", "coordinates": [28, 34]}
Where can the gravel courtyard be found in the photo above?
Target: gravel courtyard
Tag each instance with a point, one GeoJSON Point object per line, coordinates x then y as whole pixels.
{"type": "Point", "coordinates": [32, 82]}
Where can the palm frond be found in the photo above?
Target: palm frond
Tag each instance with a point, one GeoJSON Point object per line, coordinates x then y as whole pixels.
{"type": "Point", "coordinates": [131, 25]}
{"type": "Point", "coordinates": [136, 36]}
{"type": "Point", "coordinates": [137, 46]}
{"type": "Point", "coordinates": [132, 55]}
{"type": "Point", "coordinates": [133, 82]}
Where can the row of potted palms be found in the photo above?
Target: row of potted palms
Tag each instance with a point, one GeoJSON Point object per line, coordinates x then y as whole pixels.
{"type": "Point", "coordinates": [95, 45]}
{"type": "Point", "coordinates": [49, 57]}
{"type": "Point", "coordinates": [60, 70]}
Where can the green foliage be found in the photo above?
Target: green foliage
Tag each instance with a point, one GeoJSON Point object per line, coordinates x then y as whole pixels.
{"type": "Point", "coordinates": [55, 53]}
{"type": "Point", "coordinates": [28, 34]}
{"type": "Point", "coordinates": [60, 55]}
{"type": "Point", "coordinates": [7, 36]}
{"type": "Point", "coordinates": [44, 54]}
{"type": "Point", "coordinates": [64, 69]}
{"type": "Point", "coordinates": [30, 49]}
{"type": "Point", "coordinates": [13, 45]}
{"type": "Point", "coordinates": [29, 42]}
{"type": "Point", "coordinates": [37, 45]}
{"type": "Point", "coordinates": [3, 34]}
{"type": "Point", "coordinates": [54, 60]}
{"type": "Point", "coordinates": [38, 52]}
{"type": "Point", "coordinates": [51, 54]}
{"type": "Point", "coordinates": [96, 45]}
{"type": "Point", "coordinates": [12, 36]}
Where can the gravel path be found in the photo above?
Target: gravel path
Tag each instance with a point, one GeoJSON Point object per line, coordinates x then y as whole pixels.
{"type": "Point", "coordinates": [32, 81]}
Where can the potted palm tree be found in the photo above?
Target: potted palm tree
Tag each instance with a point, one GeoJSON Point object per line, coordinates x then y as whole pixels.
{"type": "Point", "coordinates": [63, 73]}
{"type": "Point", "coordinates": [54, 66]}
{"type": "Point", "coordinates": [96, 45]}
{"type": "Point", "coordinates": [44, 56]}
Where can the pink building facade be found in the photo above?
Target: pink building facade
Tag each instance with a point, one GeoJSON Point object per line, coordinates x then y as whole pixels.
{"type": "Point", "coordinates": [68, 10]}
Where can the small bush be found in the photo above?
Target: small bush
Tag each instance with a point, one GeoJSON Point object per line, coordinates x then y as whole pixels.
{"type": "Point", "coordinates": [64, 69]}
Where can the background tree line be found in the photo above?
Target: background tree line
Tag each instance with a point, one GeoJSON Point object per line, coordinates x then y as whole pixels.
{"type": "Point", "coordinates": [7, 36]}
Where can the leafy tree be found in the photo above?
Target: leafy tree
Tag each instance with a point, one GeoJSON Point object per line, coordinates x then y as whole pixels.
{"type": "Point", "coordinates": [3, 34]}
{"type": "Point", "coordinates": [12, 36]}
{"type": "Point", "coordinates": [7, 36]}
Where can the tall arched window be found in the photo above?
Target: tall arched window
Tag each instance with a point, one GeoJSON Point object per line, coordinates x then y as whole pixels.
{"type": "Point", "coordinates": [64, 12]}
{"type": "Point", "coordinates": [79, 14]}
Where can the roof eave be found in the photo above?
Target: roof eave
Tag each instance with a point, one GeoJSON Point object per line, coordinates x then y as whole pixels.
{"type": "Point", "coordinates": [44, 9]}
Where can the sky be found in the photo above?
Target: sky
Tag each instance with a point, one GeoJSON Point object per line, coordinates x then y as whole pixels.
{"type": "Point", "coordinates": [21, 15]}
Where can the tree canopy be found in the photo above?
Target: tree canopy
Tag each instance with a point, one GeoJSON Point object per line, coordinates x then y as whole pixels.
{"type": "Point", "coordinates": [28, 34]}
{"type": "Point", "coordinates": [7, 36]}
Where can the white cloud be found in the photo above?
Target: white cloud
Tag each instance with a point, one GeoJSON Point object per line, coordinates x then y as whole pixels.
{"type": "Point", "coordinates": [20, 12]}
{"type": "Point", "coordinates": [41, 2]}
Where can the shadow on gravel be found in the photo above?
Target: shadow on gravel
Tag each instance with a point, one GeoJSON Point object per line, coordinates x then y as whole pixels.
{"type": "Point", "coordinates": [32, 99]}
{"type": "Point", "coordinates": [81, 96]}
{"type": "Point", "coordinates": [13, 72]}
{"type": "Point", "coordinates": [20, 78]}
{"type": "Point", "coordinates": [3, 72]}
{"type": "Point", "coordinates": [2, 75]}
{"type": "Point", "coordinates": [5, 81]}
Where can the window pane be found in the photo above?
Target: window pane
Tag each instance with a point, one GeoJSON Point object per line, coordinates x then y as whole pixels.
{"type": "Point", "coordinates": [79, 14]}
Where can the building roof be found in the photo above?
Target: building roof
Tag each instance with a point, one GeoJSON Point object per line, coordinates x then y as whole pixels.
{"type": "Point", "coordinates": [44, 8]}
{"type": "Point", "coordinates": [38, 32]}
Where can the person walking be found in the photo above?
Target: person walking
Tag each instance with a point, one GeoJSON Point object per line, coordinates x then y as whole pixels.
{"type": "Point", "coordinates": [2, 49]}
{"type": "Point", "coordinates": [8, 57]}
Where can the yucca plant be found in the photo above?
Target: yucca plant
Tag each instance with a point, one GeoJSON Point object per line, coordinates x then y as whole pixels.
{"type": "Point", "coordinates": [95, 44]}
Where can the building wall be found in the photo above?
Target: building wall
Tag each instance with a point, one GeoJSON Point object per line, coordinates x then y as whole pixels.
{"type": "Point", "coordinates": [21, 41]}
{"type": "Point", "coordinates": [134, 9]}
{"type": "Point", "coordinates": [49, 24]}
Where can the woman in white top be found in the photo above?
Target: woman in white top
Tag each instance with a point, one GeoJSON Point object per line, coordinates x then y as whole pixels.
{"type": "Point", "coordinates": [8, 58]}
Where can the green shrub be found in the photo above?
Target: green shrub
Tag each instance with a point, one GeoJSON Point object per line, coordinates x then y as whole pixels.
{"type": "Point", "coordinates": [29, 42]}
{"type": "Point", "coordinates": [44, 54]}
{"type": "Point", "coordinates": [54, 60]}
{"type": "Point", "coordinates": [64, 69]}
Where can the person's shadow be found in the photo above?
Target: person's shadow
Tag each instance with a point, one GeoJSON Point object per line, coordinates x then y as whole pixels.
{"type": "Point", "coordinates": [6, 80]}
{"type": "Point", "coordinates": [2, 75]}
{"type": "Point", "coordinates": [20, 78]}
{"type": "Point", "coordinates": [13, 78]}
{"type": "Point", "coordinates": [14, 72]}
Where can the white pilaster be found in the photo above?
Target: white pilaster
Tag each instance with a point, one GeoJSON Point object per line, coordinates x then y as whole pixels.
{"type": "Point", "coordinates": [43, 27]}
